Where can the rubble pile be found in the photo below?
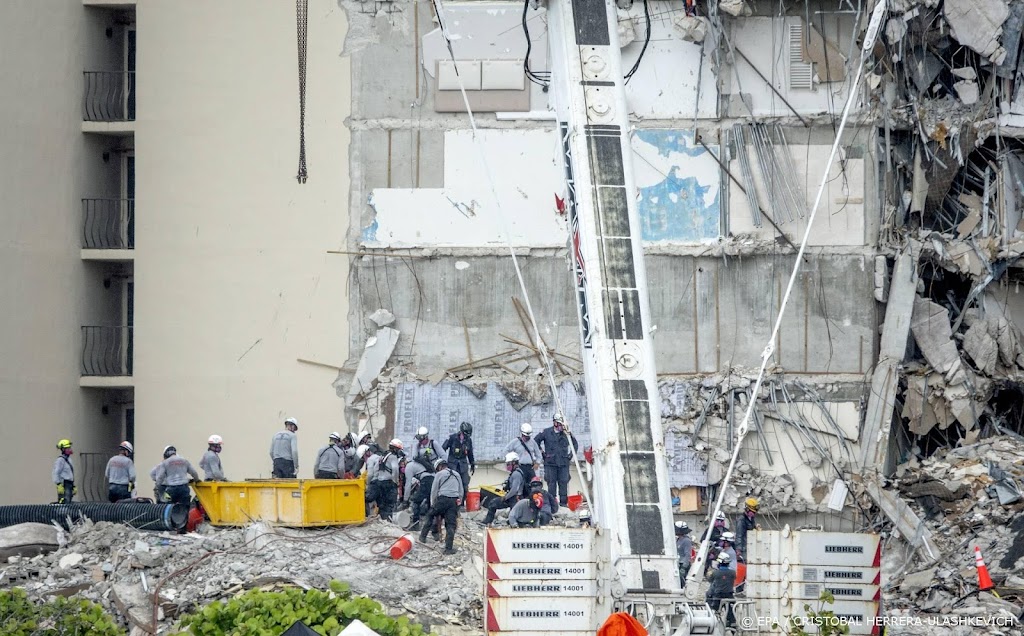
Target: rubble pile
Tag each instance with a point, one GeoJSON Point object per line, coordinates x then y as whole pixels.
{"type": "Point", "coordinates": [122, 569]}
{"type": "Point", "coordinates": [968, 496]}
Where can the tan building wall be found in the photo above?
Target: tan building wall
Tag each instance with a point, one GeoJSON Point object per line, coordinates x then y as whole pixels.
{"type": "Point", "coordinates": [234, 285]}
{"type": "Point", "coordinates": [46, 291]}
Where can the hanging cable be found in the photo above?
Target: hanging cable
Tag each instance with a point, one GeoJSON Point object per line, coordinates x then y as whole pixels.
{"type": "Point", "coordinates": [541, 78]}
{"type": "Point", "coordinates": [302, 30]}
{"type": "Point", "coordinates": [647, 40]}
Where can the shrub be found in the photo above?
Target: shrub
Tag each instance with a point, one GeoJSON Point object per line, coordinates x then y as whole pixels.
{"type": "Point", "coordinates": [20, 616]}
{"type": "Point", "coordinates": [260, 613]}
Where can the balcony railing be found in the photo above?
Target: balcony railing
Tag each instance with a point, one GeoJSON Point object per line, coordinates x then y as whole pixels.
{"type": "Point", "coordinates": [107, 351]}
{"type": "Point", "coordinates": [108, 224]}
{"type": "Point", "coordinates": [109, 96]}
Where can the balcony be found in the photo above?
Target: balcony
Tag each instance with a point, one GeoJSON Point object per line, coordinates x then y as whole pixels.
{"type": "Point", "coordinates": [108, 229]}
{"type": "Point", "coordinates": [108, 102]}
{"type": "Point", "coordinates": [107, 357]}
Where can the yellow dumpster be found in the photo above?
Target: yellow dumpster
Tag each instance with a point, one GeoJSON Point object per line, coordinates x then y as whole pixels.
{"type": "Point", "coordinates": [296, 503]}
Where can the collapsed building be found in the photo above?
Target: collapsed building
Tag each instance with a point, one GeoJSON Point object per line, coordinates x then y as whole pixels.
{"type": "Point", "coordinates": [901, 346]}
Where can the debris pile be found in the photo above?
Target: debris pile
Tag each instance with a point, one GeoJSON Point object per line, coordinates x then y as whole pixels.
{"type": "Point", "coordinates": [125, 569]}
{"type": "Point", "coordinates": [968, 496]}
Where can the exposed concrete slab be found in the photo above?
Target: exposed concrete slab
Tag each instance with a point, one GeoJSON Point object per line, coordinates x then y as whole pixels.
{"type": "Point", "coordinates": [710, 313]}
{"type": "Point", "coordinates": [934, 335]}
{"type": "Point", "coordinates": [893, 347]}
{"type": "Point", "coordinates": [375, 356]}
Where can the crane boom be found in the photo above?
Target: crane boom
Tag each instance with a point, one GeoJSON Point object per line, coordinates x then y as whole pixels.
{"type": "Point", "coordinates": [632, 499]}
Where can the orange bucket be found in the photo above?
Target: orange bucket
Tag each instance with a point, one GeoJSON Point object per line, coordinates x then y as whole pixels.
{"type": "Point", "coordinates": [473, 501]}
{"type": "Point", "coordinates": [574, 502]}
{"type": "Point", "coordinates": [401, 547]}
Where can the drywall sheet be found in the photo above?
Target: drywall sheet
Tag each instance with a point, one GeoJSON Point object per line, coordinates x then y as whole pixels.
{"type": "Point", "coordinates": [495, 421]}
{"type": "Point", "coordinates": [678, 186]}
{"type": "Point", "coordinates": [526, 169]}
{"type": "Point", "coordinates": [840, 219]}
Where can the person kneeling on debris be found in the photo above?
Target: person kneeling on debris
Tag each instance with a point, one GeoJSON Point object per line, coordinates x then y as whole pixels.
{"type": "Point", "coordinates": [330, 460]}
{"type": "Point", "coordinates": [550, 507]}
{"type": "Point", "coordinates": [175, 472]}
{"type": "Point", "coordinates": [514, 488]}
{"type": "Point", "coordinates": [120, 473]}
{"type": "Point", "coordinates": [383, 473]}
{"type": "Point", "coordinates": [445, 498]}
{"type": "Point", "coordinates": [722, 579]}
{"type": "Point", "coordinates": [526, 512]}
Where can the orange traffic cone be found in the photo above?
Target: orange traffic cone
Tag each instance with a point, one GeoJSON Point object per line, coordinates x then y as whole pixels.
{"type": "Point", "coordinates": [984, 580]}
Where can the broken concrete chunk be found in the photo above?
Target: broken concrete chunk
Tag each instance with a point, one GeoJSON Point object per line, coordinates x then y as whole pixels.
{"type": "Point", "coordinates": [914, 583]}
{"type": "Point", "coordinates": [691, 28]}
{"type": "Point", "coordinates": [982, 348]}
{"type": "Point", "coordinates": [934, 335]}
{"type": "Point", "coordinates": [626, 28]}
{"type": "Point", "coordinates": [895, 29]}
{"type": "Point", "coordinates": [967, 91]}
{"type": "Point", "coordinates": [382, 317]}
{"type": "Point", "coordinates": [967, 73]}
{"type": "Point", "coordinates": [375, 356]}
{"type": "Point", "coordinates": [70, 560]}
{"type": "Point", "coordinates": [978, 24]}
{"type": "Point", "coordinates": [734, 8]}
{"type": "Point", "coordinates": [27, 540]}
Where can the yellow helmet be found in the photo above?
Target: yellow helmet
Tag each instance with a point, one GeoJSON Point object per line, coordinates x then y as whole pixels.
{"type": "Point", "coordinates": [752, 504]}
{"type": "Point", "coordinates": [64, 443]}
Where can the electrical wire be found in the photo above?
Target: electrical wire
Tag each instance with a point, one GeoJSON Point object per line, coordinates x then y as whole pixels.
{"type": "Point", "coordinates": [540, 78]}
{"type": "Point", "coordinates": [647, 40]}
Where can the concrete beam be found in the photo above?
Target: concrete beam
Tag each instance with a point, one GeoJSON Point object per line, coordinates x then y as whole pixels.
{"type": "Point", "coordinates": [908, 523]}
{"type": "Point", "coordinates": [884, 380]}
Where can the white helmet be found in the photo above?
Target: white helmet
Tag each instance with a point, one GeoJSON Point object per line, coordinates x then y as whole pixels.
{"type": "Point", "coordinates": [291, 420]}
{"type": "Point", "coordinates": [511, 457]}
{"type": "Point", "coordinates": [362, 450]}
{"type": "Point", "coordinates": [682, 526]}
{"type": "Point", "coordinates": [335, 436]}
{"type": "Point", "coordinates": [362, 434]}
{"type": "Point", "coordinates": [526, 429]}
{"type": "Point", "coordinates": [440, 462]}
{"type": "Point", "coordinates": [215, 439]}
{"type": "Point", "coordinates": [720, 515]}
{"type": "Point", "coordinates": [126, 445]}
{"type": "Point", "coordinates": [397, 443]}
{"type": "Point", "coordinates": [422, 433]}
{"type": "Point", "coordinates": [724, 558]}
{"type": "Point", "coordinates": [728, 536]}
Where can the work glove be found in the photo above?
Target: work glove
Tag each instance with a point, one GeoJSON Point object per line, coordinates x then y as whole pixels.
{"type": "Point", "coordinates": [349, 476]}
{"type": "Point", "coordinates": [60, 489]}
{"type": "Point", "coordinates": [131, 487]}
{"type": "Point", "coordinates": [74, 490]}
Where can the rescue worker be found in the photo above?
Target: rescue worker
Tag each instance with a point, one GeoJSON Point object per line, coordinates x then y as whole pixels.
{"type": "Point", "coordinates": [64, 473]}
{"type": "Point", "coordinates": [349, 458]}
{"type": "Point", "coordinates": [175, 472]}
{"type": "Point", "coordinates": [330, 460]}
{"type": "Point", "coordinates": [727, 546]}
{"type": "Point", "coordinates": [445, 498]}
{"type": "Point", "coordinates": [554, 443]}
{"type": "Point", "coordinates": [419, 497]}
{"type": "Point", "coordinates": [160, 491]}
{"type": "Point", "coordinates": [284, 451]}
{"type": "Point", "coordinates": [583, 514]}
{"type": "Point", "coordinates": [424, 442]}
{"type": "Point", "coordinates": [723, 580]}
{"type": "Point", "coordinates": [120, 474]}
{"type": "Point", "coordinates": [364, 439]}
{"type": "Point", "coordinates": [526, 512]}
{"type": "Point", "coordinates": [514, 488]}
{"type": "Point", "coordinates": [210, 461]}
{"type": "Point", "coordinates": [716, 533]}
{"type": "Point", "coordinates": [550, 507]}
{"type": "Point", "coordinates": [527, 450]}
{"type": "Point", "coordinates": [383, 473]}
{"type": "Point", "coordinates": [746, 522]}
{"type": "Point", "coordinates": [460, 455]}
{"type": "Point", "coordinates": [684, 546]}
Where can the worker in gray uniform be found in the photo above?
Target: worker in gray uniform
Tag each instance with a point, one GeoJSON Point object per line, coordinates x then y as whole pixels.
{"type": "Point", "coordinates": [526, 512]}
{"type": "Point", "coordinates": [383, 473]}
{"type": "Point", "coordinates": [160, 490]}
{"type": "Point", "coordinates": [554, 442]}
{"type": "Point", "coordinates": [513, 487]}
{"type": "Point", "coordinates": [120, 473]}
{"type": "Point", "coordinates": [419, 478]}
{"type": "Point", "coordinates": [330, 459]}
{"type": "Point", "coordinates": [550, 505]}
{"type": "Point", "coordinates": [175, 472]}
{"type": "Point", "coordinates": [64, 473]}
{"type": "Point", "coordinates": [728, 546]}
{"type": "Point", "coordinates": [284, 451]}
{"type": "Point", "coordinates": [445, 498]}
{"type": "Point", "coordinates": [210, 461]}
{"type": "Point", "coordinates": [348, 459]}
{"type": "Point", "coordinates": [723, 580]}
{"type": "Point", "coordinates": [684, 546]}
{"type": "Point", "coordinates": [527, 450]}
{"type": "Point", "coordinates": [423, 442]}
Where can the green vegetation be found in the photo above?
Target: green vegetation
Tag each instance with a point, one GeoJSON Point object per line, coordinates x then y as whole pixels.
{"type": "Point", "coordinates": [20, 616]}
{"type": "Point", "coordinates": [823, 621]}
{"type": "Point", "coordinates": [259, 613]}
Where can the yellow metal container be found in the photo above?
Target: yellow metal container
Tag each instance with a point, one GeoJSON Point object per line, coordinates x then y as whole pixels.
{"type": "Point", "coordinates": [297, 503]}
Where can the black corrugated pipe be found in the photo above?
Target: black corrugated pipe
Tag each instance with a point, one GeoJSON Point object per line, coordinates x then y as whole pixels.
{"type": "Point", "coordinates": [137, 515]}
